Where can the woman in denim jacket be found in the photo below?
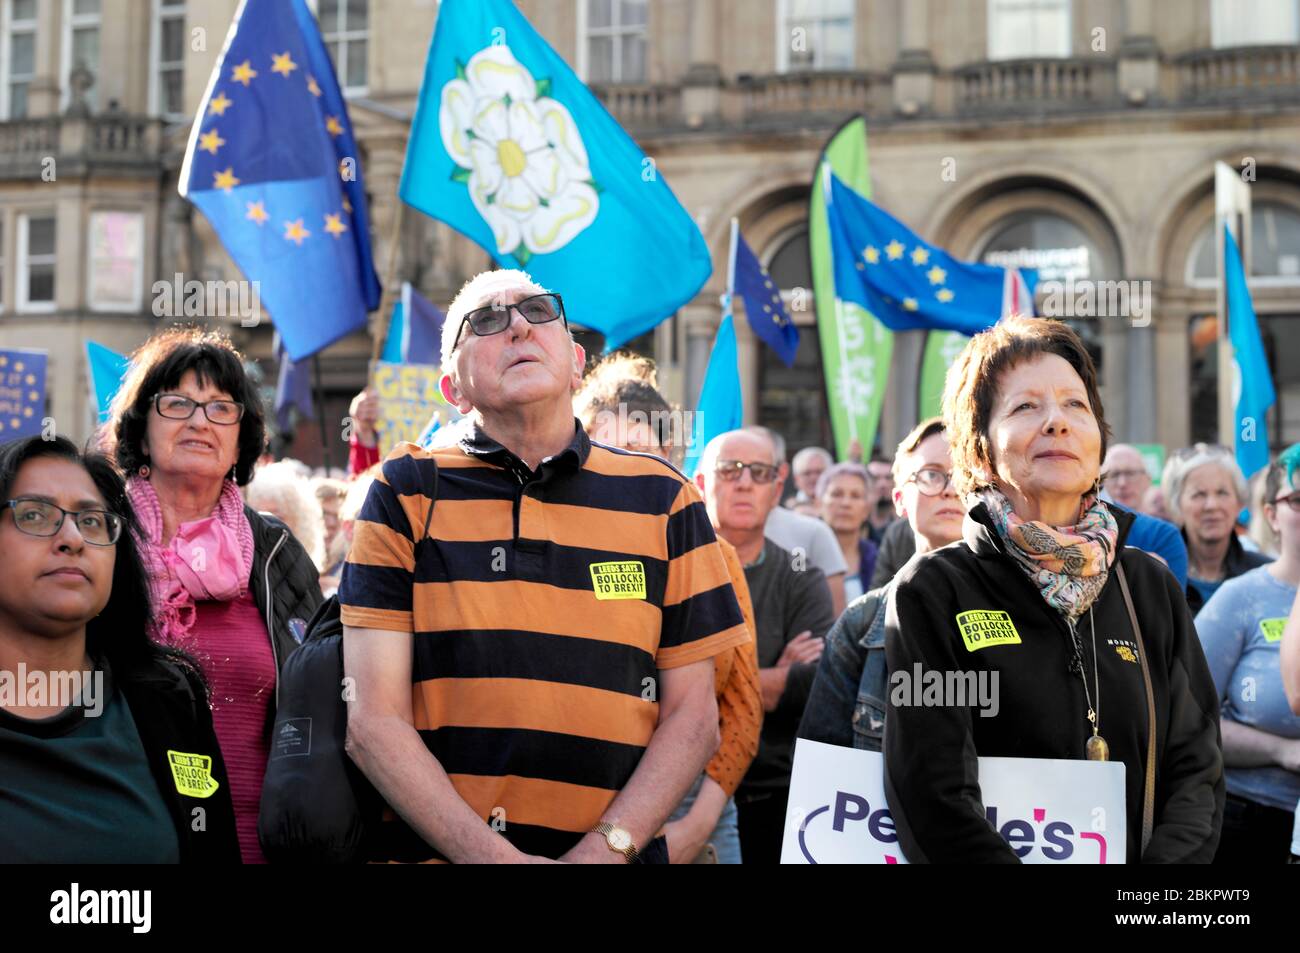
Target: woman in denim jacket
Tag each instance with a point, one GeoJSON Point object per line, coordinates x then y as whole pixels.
{"type": "Point", "coordinates": [848, 700]}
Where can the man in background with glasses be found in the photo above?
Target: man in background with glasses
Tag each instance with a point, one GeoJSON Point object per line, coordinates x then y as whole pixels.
{"type": "Point", "coordinates": [531, 619]}
{"type": "Point", "coordinates": [792, 612]}
{"type": "Point", "coordinates": [1125, 480]}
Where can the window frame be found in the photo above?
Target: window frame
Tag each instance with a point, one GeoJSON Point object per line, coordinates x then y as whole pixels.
{"type": "Point", "coordinates": [342, 38]}
{"type": "Point", "coordinates": [783, 45]}
{"type": "Point", "coordinates": [23, 263]}
{"type": "Point", "coordinates": [1205, 232]}
{"type": "Point", "coordinates": [137, 285]}
{"type": "Point", "coordinates": [1222, 14]}
{"type": "Point", "coordinates": [616, 31]}
{"type": "Point", "coordinates": [9, 27]}
{"type": "Point", "coordinates": [1037, 54]}
{"type": "Point", "coordinates": [159, 11]}
{"type": "Point", "coordinates": [73, 21]}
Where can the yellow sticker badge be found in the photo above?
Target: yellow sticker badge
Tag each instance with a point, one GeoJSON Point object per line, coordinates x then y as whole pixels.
{"type": "Point", "coordinates": [981, 628]}
{"type": "Point", "coordinates": [1272, 629]}
{"type": "Point", "coordinates": [618, 580]}
{"type": "Point", "coordinates": [192, 773]}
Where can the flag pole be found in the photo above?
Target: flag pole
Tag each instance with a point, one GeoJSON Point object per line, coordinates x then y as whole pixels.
{"type": "Point", "coordinates": [320, 411]}
{"type": "Point", "coordinates": [386, 300]}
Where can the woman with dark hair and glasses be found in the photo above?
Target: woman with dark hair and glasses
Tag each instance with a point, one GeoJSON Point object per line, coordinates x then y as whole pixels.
{"type": "Point", "coordinates": [1241, 630]}
{"type": "Point", "coordinates": [229, 585]}
{"type": "Point", "coordinates": [107, 749]}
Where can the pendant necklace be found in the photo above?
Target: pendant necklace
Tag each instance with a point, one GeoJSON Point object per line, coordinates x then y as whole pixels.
{"type": "Point", "coordinates": [1096, 747]}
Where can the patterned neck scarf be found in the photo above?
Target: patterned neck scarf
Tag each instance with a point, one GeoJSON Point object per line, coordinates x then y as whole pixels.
{"type": "Point", "coordinates": [1068, 564]}
{"type": "Point", "coordinates": [207, 559]}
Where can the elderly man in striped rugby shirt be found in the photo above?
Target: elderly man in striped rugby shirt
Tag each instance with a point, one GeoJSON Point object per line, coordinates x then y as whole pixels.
{"type": "Point", "coordinates": [530, 617]}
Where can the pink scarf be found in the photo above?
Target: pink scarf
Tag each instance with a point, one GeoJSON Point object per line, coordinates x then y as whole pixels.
{"type": "Point", "coordinates": [210, 558]}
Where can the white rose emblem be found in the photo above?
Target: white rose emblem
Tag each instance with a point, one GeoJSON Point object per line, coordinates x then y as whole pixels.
{"type": "Point", "coordinates": [520, 154]}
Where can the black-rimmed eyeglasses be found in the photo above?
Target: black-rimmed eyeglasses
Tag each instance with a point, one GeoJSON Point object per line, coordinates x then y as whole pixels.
{"type": "Point", "coordinates": [495, 318]}
{"type": "Point", "coordinates": [180, 407]}
{"type": "Point", "coordinates": [41, 518]}
{"type": "Point", "coordinates": [930, 480]}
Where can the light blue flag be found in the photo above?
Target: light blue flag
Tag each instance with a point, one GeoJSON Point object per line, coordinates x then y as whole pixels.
{"type": "Point", "coordinates": [509, 148]}
{"type": "Point", "coordinates": [107, 368]}
{"type": "Point", "coordinates": [721, 406]}
{"type": "Point", "coordinates": [1254, 385]}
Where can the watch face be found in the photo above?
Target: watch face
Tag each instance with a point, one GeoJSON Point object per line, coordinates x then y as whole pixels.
{"type": "Point", "coordinates": [619, 839]}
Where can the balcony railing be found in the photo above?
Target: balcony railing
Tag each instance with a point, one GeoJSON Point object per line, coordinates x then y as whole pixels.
{"type": "Point", "coordinates": [119, 140]}
{"type": "Point", "coordinates": [1240, 72]}
{"type": "Point", "coordinates": [642, 105]}
{"type": "Point", "coordinates": [783, 95]}
{"type": "Point", "coordinates": [1037, 85]}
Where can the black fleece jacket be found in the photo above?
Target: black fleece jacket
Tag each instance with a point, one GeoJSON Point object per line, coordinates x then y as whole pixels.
{"type": "Point", "coordinates": [930, 752]}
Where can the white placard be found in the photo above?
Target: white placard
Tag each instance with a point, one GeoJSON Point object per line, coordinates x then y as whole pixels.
{"type": "Point", "coordinates": [1050, 811]}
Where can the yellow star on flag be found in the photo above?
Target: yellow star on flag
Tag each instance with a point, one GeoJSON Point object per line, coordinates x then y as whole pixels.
{"type": "Point", "coordinates": [243, 73]}
{"type": "Point", "coordinates": [347, 206]}
{"type": "Point", "coordinates": [225, 180]}
{"type": "Point", "coordinates": [909, 304]}
{"type": "Point", "coordinates": [3, 360]}
{"type": "Point", "coordinates": [312, 86]}
{"type": "Point", "coordinates": [218, 104]}
{"type": "Point", "coordinates": [936, 275]}
{"type": "Point", "coordinates": [30, 379]}
{"type": "Point", "coordinates": [333, 126]}
{"type": "Point", "coordinates": [872, 254]}
{"type": "Point", "coordinates": [944, 294]}
{"type": "Point", "coordinates": [894, 250]}
{"type": "Point", "coordinates": [19, 366]}
{"type": "Point", "coordinates": [294, 232]}
{"type": "Point", "coordinates": [282, 64]}
{"type": "Point", "coordinates": [333, 225]}
{"type": "Point", "coordinates": [257, 212]}
{"type": "Point", "coordinates": [34, 395]}
{"type": "Point", "coordinates": [211, 140]}
{"type": "Point", "coordinates": [920, 256]}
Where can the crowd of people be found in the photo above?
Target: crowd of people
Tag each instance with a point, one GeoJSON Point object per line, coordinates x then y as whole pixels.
{"type": "Point", "coordinates": [563, 648]}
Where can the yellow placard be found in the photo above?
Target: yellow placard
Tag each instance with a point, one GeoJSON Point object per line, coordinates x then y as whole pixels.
{"type": "Point", "coordinates": [1272, 629]}
{"type": "Point", "coordinates": [408, 399]}
{"type": "Point", "coordinates": [618, 580]}
{"type": "Point", "coordinates": [981, 628]}
{"type": "Point", "coordinates": [192, 774]}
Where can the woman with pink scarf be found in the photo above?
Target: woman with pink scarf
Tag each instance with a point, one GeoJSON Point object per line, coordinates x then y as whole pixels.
{"type": "Point", "coordinates": [230, 586]}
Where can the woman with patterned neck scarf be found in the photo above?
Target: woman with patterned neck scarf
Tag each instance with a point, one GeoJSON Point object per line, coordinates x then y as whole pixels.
{"type": "Point", "coordinates": [229, 585]}
{"type": "Point", "coordinates": [1032, 602]}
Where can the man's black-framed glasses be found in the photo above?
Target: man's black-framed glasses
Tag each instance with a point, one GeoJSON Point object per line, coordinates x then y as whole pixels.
{"type": "Point", "coordinates": [42, 518]}
{"type": "Point", "coordinates": [180, 407]}
{"type": "Point", "coordinates": [495, 318]}
{"type": "Point", "coordinates": [931, 481]}
{"type": "Point", "coordinates": [730, 471]}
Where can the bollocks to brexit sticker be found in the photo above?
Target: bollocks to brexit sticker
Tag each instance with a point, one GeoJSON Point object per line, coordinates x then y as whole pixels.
{"type": "Point", "coordinates": [618, 580]}
{"type": "Point", "coordinates": [981, 628]}
{"type": "Point", "coordinates": [192, 773]}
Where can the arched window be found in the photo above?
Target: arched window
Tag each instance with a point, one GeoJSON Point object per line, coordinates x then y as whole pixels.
{"type": "Point", "coordinates": [1274, 248]}
{"type": "Point", "coordinates": [1061, 250]}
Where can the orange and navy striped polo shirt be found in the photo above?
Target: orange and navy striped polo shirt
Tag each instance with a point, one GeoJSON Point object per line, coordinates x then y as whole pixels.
{"type": "Point", "coordinates": [542, 606]}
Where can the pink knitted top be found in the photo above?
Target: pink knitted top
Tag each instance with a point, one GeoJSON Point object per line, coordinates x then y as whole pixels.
{"type": "Point", "coordinates": [235, 652]}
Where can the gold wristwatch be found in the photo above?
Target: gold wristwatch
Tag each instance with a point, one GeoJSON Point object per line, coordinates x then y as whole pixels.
{"type": "Point", "coordinates": [618, 840]}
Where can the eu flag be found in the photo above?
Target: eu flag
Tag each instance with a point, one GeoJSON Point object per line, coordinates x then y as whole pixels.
{"type": "Point", "coordinates": [907, 283]}
{"type": "Point", "coordinates": [272, 164]}
{"type": "Point", "coordinates": [1254, 384]}
{"type": "Point", "coordinates": [763, 305]}
{"type": "Point", "coordinates": [22, 392]}
{"type": "Point", "coordinates": [509, 148]}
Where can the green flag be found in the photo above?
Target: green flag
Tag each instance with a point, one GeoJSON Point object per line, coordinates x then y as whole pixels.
{"type": "Point", "coordinates": [941, 350]}
{"type": "Point", "coordinates": [856, 348]}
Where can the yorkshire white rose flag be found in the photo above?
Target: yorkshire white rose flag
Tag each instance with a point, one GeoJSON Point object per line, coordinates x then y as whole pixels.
{"type": "Point", "coordinates": [509, 148]}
